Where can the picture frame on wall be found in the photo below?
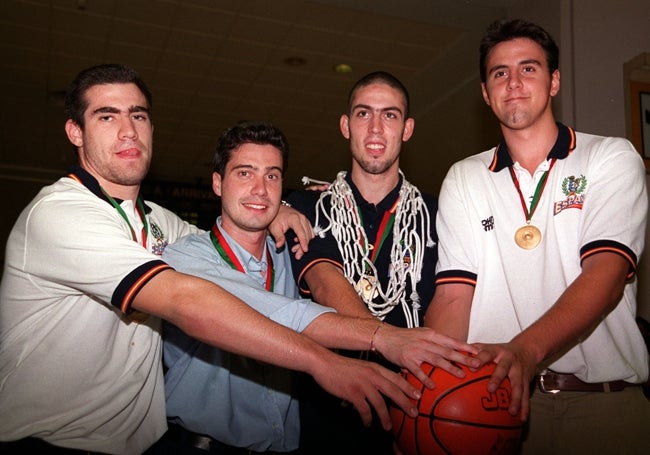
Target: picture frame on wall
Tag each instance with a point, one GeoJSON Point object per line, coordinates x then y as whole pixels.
{"type": "Point", "coordinates": [640, 118]}
{"type": "Point", "coordinates": [645, 123]}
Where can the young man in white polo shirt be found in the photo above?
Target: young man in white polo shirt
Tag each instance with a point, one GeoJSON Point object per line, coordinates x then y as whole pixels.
{"type": "Point", "coordinates": [539, 243]}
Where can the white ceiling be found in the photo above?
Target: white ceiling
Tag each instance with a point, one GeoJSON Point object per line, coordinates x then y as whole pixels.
{"type": "Point", "coordinates": [211, 63]}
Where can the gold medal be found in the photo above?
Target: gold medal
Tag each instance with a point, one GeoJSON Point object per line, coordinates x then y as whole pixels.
{"type": "Point", "coordinates": [366, 288]}
{"type": "Point", "coordinates": [528, 237]}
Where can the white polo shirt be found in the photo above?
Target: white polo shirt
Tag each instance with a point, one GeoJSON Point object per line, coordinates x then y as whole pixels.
{"type": "Point", "coordinates": [594, 200]}
{"type": "Point", "coordinates": [75, 368]}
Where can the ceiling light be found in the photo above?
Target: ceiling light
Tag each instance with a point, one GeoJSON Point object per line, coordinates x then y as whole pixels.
{"type": "Point", "coordinates": [342, 68]}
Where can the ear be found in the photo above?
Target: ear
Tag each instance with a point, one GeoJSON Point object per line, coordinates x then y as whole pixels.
{"type": "Point", "coordinates": [486, 98]}
{"type": "Point", "coordinates": [74, 132]}
{"type": "Point", "coordinates": [409, 126]}
{"type": "Point", "coordinates": [555, 82]}
{"type": "Point", "coordinates": [344, 124]}
{"type": "Point", "coordinates": [216, 183]}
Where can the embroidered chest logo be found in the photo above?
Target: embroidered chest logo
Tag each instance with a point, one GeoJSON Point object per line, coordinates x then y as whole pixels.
{"type": "Point", "coordinates": [159, 243]}
{"type": "Point", "coordinates": [573, 187]}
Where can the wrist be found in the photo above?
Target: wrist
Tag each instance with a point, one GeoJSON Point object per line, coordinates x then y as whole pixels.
{"type": "Point", "coordinates": [530, 350]}
{"type": "Point", "coordinates": [373, 338]}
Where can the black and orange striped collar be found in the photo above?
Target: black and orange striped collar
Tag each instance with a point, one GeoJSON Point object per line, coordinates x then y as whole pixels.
{"type": "Point", "coordinates": [385, 204]}
{"type": "Point", "coordinates": [84, 177]}
{"type": "Point", "coordinates": [564, 145]}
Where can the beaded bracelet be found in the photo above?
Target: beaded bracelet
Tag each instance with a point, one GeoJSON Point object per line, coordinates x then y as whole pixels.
{"type": "Point", "coordinates": [372, 340]}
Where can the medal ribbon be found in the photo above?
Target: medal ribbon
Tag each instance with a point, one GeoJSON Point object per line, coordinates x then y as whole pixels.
{"type": "Point", "coordinates": [536, 196]}
{"type": "Point", "coordinates": [141, 212]}
{"type": "Point", "coordinates": [385, 228]}
{"type": "Point", "coordinates": [227, 254]}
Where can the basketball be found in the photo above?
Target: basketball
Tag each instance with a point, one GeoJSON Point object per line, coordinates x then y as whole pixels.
{"type": "Point", "coordinates": [458, 416]}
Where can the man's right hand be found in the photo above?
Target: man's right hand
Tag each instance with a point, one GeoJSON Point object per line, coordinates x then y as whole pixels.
{"type": "Point", "coordinates": [291, 219]}
{"type": "Point", "coordinates": [409, 348]}
{"type": "Point", "coordinates": [363, 383]}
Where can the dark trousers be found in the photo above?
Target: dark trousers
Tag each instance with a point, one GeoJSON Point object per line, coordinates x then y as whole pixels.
{"type": "Point", "coordinates": [328, 425]}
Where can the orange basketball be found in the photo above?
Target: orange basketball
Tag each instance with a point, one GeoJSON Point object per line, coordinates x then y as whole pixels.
{"type": "Point", "coordinates": [458, 416]}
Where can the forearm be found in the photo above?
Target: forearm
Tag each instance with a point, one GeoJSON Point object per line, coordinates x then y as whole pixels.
{"type": "Point", "coordinates": [329, 287]}
{"type": "Point", "coordinates": [336, 331]}
{"type": "Point", "coordinates": [407, 348]}
{"type": "Point", "coordinates": [449, 310]}
{"type": "Point", "coordinates": [212, 315]}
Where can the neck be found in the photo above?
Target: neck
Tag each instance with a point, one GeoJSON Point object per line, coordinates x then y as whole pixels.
{"type": "Point", "coordinates": [251, 241]}
{"type": "Point", "coordinates": [121, 192]}
{"type": "Point", "coordinates": [115, 190]}
{"type": "Point", "coordinates": [375, 187]}
{"type": "Point", "coordinates": [531, 146]}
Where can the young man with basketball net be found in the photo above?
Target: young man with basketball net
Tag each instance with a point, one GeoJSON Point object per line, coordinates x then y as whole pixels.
{"type": "Point", "coordinates": [539, 243]}
{"type": "Point", "coordinates": [374, 252]}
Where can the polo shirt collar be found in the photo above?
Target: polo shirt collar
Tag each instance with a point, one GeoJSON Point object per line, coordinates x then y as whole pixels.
{"type": "Point", "coordinates": [386, 203]}
{"type": "Point", "coordinates": [564, 145]}
{"type": "Point", "coordinates": [86, 178]}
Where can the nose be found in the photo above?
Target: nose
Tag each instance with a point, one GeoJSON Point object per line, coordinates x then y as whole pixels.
{"type": "Point", "coordinates": [259, 187]}
{"type": "Point", "coordinates": [127, 129]}
{"type": "Point", "coordinates": [514, 81]}
{"type": "Point", "coordinates": [375, 124]}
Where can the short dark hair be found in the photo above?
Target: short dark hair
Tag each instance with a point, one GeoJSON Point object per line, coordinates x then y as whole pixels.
{"type": "Point", "coordinates": [111, 73]}
{"type": "Point", "coordinates": [509, 29]}
{"type": "Point", "coordinates": [261, 133]}
{"type": "Point", "coordinates": [380, 77]}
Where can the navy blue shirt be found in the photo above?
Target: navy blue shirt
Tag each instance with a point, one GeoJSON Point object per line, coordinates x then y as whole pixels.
{"type": "Point", "coordinates": [326, 249]}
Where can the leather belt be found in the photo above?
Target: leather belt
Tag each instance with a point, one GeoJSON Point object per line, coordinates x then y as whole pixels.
{"type": "Point", "coordinates": [185, 437]}
{"type": "Point", "coordinates": [552, 382]}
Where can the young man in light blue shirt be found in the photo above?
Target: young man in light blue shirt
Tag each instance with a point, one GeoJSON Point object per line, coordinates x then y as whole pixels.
{"type": "Point", "coordinates": [222, 401]}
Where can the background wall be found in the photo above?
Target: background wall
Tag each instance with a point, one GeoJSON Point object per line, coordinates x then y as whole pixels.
{"type": "Point", "coordinates": [605, 35]}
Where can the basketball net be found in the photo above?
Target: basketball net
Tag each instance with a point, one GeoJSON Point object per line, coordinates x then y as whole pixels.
{"type": "Point", "coordinates": [411, 232]}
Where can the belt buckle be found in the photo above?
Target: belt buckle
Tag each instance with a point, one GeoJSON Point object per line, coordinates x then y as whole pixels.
{"type": "Point", "coordinates": [543, 388]}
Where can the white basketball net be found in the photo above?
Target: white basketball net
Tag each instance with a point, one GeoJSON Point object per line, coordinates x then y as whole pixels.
{"type": "Point", "coordinates": [411, 233]}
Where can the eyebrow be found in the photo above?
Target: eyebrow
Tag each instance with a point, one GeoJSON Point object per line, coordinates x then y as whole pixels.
{"type": "Point", "coordinates": [114, 110]}
{"type": "Point", "coordinates": [529, 61]}
{"type": "Point", "coordinates": [523, 62]}
{"type": "Point", "coordinates": [250, 166]}
{"type": "Point", "coordinates": [370, 108]}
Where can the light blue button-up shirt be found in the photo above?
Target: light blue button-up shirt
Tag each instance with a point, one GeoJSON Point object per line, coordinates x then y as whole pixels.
{"type": "Point", "coordinates": [236, 400]}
